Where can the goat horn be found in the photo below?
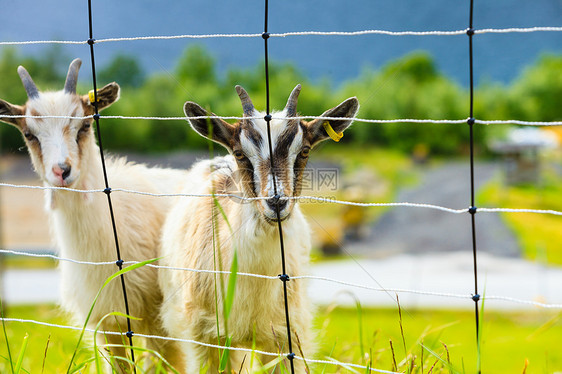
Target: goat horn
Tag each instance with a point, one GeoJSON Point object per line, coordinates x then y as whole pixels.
{"type": "Point", "coordinates": [72, 76]}
{"type": "Point", "coordinates": [247, 105]}
{"type": "Point", "coordinates": [28, 84]}
{"type": "Point", "coordinates": [291, 106]}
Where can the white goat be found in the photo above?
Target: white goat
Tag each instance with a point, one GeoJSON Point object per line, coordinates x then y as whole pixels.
{"type": "Point", "coordinates": [197, 235]}
{"type": "Point", "coordinates": [65, 154]}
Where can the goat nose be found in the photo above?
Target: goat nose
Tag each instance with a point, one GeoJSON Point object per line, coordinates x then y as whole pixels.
{"type": "Point", "coordinates": [62, 170]}
{"type": "Point", "coordinates": [275, 201]}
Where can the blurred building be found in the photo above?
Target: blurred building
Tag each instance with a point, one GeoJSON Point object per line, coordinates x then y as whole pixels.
{"type": "Point", "coordinates": [521, 152]}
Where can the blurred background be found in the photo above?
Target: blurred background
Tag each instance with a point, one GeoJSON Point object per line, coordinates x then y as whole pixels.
{"type": "Point", "coordinates": [517, 76]}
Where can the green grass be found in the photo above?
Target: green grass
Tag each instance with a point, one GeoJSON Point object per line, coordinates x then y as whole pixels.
{"type": "Point", "coordinates": [51, 347]}
{"type": "Point", "coordinates": [24, 262]}
{"type": "Point", "coordinates": [539, 235]}
{"type": "Point", "coordinates": [509, 340]}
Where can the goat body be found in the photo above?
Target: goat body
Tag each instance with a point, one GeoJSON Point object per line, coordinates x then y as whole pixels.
{"type": "Point", "coordinates": [64, 153]}
{"type": "Point", "coordinates": [204, 234]}
{"type": "Point", "coordinates": [197, 236]}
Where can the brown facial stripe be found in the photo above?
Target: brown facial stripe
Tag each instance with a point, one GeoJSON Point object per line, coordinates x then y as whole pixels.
{"type": "Point", "coordinates": [246, 171]}
{"type": "Point", "coordinates": [34, 147]}
{"type": "Point", "coordinates": [299, 167]}
{"type": "Point", "coordinates": [285, 140]}
{"type": "Point", "coordinates": [251, 133]}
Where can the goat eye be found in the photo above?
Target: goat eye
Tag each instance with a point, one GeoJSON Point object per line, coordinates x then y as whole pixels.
{"type": "Point", "coordinates": [85, 126]}
{"type": "Point", "coordinates": [29, 136]}
{"type": "Point", "coordinates": [239, 155]}
{"type": "Point", "coordinates": [305, 152]}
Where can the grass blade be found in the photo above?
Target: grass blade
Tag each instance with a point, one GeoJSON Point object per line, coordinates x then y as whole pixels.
{"type": "Point", "coordinates": [6, 336]}
{"type": "Point", "coordinates": [98, 326]}
{"type": "Point", "coordinates": [231, 288]}
{"type": "Point", "coordinates": [19, 362]}
{"type": "Point", "coordinates": [225, 355]}
{"type": "Point", "coordinates": [443, 362]}
{"type": "Point", "coordinates": [45, 354]}
{"type": "Point", "coordinates": [109, 279]}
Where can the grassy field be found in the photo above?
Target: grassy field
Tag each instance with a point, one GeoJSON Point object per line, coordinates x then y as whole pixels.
{"type": "Point", "coordinates": [540, 235]}
{"type": "Point", "coordinates": [428, 338]}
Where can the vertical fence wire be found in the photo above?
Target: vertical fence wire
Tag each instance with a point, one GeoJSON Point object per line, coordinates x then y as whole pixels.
{"type": "Point", "coordinates": [119, 262]}
{"type": "Point", "coordinates": [472, 210]}
{"type": "Point", "coordinates": [283, 277]}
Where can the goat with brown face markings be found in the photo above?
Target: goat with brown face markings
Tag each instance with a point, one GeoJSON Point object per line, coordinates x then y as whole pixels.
{"type": "Point", "coordinates": [199, 235]}
{"type": "Point", "coordinates": [65, 154]}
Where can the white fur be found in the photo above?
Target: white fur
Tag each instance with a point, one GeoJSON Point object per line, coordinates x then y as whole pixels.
{"type": "Point", "coordinates": [82, 229]}
{"type": "Point", "coordinates": [258, 312]}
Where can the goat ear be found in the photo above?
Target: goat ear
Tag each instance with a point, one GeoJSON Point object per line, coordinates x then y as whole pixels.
{"type": "Point", "coordinates": [107, 95]}
{"type": "Point", "coordinates": [346, 110]}
{"type": "Point", "coordinates": [214, 129]}
{"type": "Point", "coordinates": [7, 109]}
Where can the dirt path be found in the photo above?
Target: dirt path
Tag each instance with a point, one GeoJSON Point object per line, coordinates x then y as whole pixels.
{"type": "Point", "coordinates": [421, 230]}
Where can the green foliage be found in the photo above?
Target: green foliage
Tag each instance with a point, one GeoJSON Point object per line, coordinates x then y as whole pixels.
{"type": "Point", "coordinates": [196, 66]}
{"type": "Point", "coordinates": [123, 69]}
{"type": "Point", "coordinates": [409, 87]}
{"type": "Point", "coordinates": [537, 93]}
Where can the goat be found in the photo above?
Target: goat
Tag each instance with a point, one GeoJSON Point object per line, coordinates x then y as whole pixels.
{"type": "Point", "coordinates": [199, 235]}
{"type": "Point", "coordinates": [64, 153]}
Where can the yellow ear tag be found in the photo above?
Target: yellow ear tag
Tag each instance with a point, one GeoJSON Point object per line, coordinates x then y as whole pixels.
{"type": "Point", "coordinates": [336, 136]}
{"type": "Point", "coordinates": [92, 96]}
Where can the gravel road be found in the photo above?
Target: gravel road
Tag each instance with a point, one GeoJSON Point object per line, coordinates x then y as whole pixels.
{"type": "Point", "coordinates": [421, 230]}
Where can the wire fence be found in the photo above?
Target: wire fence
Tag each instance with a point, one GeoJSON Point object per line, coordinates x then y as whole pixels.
{"type": "Point", "coordinates": [296, 198]}
{"type": "Point", "coordinates": [362, 120]}
{"type": "Point", "coordinates": [471, 120]}
{"type": "Point", "coordinates": [308, 277]}
{"type": "Point", "coordinates": [296, 33]}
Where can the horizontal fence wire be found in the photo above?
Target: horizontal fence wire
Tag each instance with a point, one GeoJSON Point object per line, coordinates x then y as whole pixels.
{"type": "Point", "coordinates": [165, 338]}
{"type": "Point", "coordinates": [304, 199]}
{"type": "Point", "coordinates": [363, 120]}
{"type": "Point", "coordinates": [297, 33]}
{"type": "Point", "coordinates": [304, 277]}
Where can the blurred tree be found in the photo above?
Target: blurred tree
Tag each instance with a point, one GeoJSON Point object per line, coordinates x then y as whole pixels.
{"type": "Point", "coordinates": [535, 95]}
{"type": "Point", "coordinates": [196, 66]}
{"type": "Point", "coordinates": [123, 69]}
{"type": "Point", "coordinates": [409, 87]}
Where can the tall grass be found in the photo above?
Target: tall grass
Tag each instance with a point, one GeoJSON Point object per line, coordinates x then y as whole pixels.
{"type": "Point", "coordinates": [511, 341]}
